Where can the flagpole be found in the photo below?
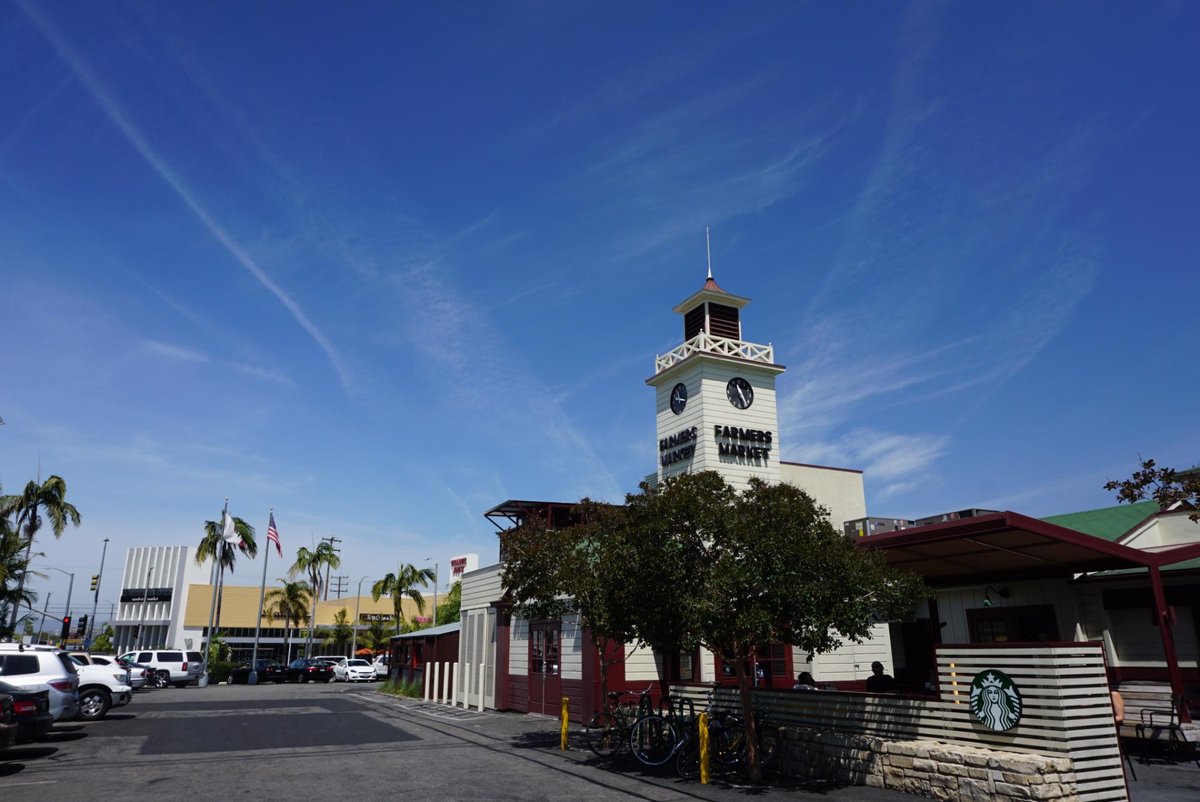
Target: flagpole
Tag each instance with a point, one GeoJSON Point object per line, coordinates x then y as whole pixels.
{"type": "Point", "coordinates": [212, 610]}
{"type": "Point", "coordinates": [252, 679]}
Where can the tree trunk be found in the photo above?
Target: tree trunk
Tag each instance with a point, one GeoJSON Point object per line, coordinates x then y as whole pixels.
{"type": "Point", "coordinates": [746, 694]}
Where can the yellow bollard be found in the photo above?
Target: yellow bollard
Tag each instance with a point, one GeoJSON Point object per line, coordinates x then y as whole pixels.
{"type": "Point", "coordinates": [704, 748]}
{"type": "Point", "coordinates": [566, 719]}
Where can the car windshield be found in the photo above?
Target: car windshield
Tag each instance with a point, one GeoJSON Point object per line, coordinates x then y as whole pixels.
{"type": "Point", "coordinates": [358, 663]}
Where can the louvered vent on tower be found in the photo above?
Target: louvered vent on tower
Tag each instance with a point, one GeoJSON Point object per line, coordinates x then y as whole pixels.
{"type": "Point", "coordinates": [723, 322]}
{"type": "Point", "coordinates": [693, 323]}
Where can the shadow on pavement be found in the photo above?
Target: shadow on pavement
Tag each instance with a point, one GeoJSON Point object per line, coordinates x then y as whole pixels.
{"type": "Point", "coordinates": [29, 752]}
{"type": "Point", "coordinates": [537, 740]}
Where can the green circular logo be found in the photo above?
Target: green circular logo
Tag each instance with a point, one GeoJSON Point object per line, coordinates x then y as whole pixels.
{"type": "Point", "coordinates": [995, 700]}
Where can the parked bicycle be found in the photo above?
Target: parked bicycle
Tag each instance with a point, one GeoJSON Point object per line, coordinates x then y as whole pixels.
{"type": "Point", "coordinates": [727, 752]}
{"type": "Point", "coordinates": [655, 737]}
{"type": "Point", "coordinates": [607, 732]}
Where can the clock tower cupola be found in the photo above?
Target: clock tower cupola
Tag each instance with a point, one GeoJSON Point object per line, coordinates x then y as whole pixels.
{"type": "Point", "coordinates": [715, 394]}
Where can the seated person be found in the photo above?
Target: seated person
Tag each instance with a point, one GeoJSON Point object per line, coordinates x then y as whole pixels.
{"type": "Point", "coordinates": [880, 682]}
{"type": "Point", "coordinates": [805, 682]}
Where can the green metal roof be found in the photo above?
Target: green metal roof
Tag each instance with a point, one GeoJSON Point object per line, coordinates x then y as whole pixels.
{"type": "Point", "coordinates": [1109, 523]}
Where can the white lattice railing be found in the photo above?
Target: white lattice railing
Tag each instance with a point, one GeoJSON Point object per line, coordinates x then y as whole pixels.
{"type": "Point", "coordinates": [704, 343]}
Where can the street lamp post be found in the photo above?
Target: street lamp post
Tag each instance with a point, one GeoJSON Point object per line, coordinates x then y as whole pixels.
{"type": "Point", "coordinates": [357, 599]}
{"type": "Point", "coordinates": [435, 581]}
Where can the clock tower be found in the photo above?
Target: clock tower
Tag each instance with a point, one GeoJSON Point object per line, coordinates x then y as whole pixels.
{"type": "Point", "coordinates": [715, 395]}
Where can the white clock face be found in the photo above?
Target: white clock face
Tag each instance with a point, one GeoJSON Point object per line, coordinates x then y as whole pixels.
{"type": "Point", "coordinates": [678, 398]}
{"type": "Point", "coordinates": [739, 392]}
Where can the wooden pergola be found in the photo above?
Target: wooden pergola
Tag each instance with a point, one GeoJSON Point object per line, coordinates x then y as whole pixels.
{"type": "Point", "coordinates": [1008, 546]}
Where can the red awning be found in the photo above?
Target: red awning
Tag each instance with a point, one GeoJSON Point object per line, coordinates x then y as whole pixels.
{"type": "Point", "coordinates": [1009, 546]}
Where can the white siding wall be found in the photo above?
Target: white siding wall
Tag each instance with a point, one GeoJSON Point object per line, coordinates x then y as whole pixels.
{"type": "Point", "coordinates": [1139, 644]}
{"type": "Point", "coordinates": [571, 648]}
{"type": "Point", "coordinates": [851, 661]}
{"type": "Point", "coordinates": [953, 606]}
{"type": "Point", "coordinates": [640, 665]}
{"type": "Point", "coordinates": [482, 587]}
{"type": "Point", "coordinates": [518, 647]}
{"type": "Point", "coordinates": [840, 491]}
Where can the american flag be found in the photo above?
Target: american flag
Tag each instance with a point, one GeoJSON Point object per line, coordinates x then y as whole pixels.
{"type": "Point", "coordinates": [273, 535]}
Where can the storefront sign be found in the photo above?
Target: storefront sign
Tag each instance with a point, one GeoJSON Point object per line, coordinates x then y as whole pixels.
{"type": "Point", "coordinates": [995, 700]}
{"type": "Point", "coordinates": [677, 447]}
{"type": "Point", "coordinates": [734, 441]}
{"type": "Point", "coordinates": [146, 594]}
{"type": "Point", "coordinates": [457, 566]}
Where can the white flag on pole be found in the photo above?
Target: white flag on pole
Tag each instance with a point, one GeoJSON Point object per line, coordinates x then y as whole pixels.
{"type": "Point", "coordinates": [230, 535]}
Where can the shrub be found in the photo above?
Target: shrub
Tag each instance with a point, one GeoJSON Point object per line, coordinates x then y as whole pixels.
{"type": "Point", "coordinates": [412, 689]}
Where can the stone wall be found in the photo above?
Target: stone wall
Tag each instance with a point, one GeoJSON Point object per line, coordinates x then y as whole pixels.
{"type": "Point", "coordinates": [928, 768]}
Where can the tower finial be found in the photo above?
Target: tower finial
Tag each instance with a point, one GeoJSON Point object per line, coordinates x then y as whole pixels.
{"type": "Point", "coordinates": [708, 245]}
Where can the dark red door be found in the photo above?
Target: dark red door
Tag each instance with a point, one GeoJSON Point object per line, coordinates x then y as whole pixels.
{"type": "Point", "coordinates": [545, 681]}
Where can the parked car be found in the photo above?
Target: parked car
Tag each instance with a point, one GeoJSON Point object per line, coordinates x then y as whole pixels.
{"type": "Point", "coordinates": [171, 666]}
{"type": "Point", "coordinates": [31, 710]}
{"type": "Point", "coordinates": [354, 671]}
{"type": "Point", "coordinates": [102, 688]}
{"type": "Point", "coordinates": [267, 671]}
{"type": "Point", "coordinates": [43, 668]}
{"type": "Point", "coordinates": [332, 659]}
{"type": "Point", "coordinates": [139, 675]}
{"type": "Point", "coordinates": [381, 664]}
{"type": "Point", "coordinates": [8, 722]}
{"type": "Point", "coordinates": [308, 669]}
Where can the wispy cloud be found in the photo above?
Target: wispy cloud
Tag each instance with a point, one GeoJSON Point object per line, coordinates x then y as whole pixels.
{"type": "Point", "coordinates": [180, 354]}
{"type": "Point", "coordinates": [124, 123]}
{"type": "Point", "coordinates": [899, 461]}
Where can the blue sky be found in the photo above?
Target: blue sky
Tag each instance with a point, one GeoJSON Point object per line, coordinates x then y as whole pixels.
{"type": "Point", "coordinates": [383, 266]}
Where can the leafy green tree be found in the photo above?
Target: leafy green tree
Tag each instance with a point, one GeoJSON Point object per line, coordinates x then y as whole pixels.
{"type": "Point", "coordinates": [376, 636]}
{"type": "Point", "coordinates": [549, 572]}
{"type": "Point", "coordinates": [15, 557]}
{"type": "Point", "coordinates": [48, 499]}
{"type": "Point", "coordinates": [767, 565]}
{"type": "Point", "coordinates": [691, 561]}
{"type": "Point", "coordinates": [1167, 486]}
{"type": "Point", "coordinates": [400, 584]}
{"type": "Point", "coordinates": [337, 637]}
{"type": "Point", "coordinates": [103, 644]}
{"type": "Point", "coordinates": [289, 602]}
{"type": "Point", "coordinates": [312, 562]}
{"type": "Point", "coordinates": [448, 610]}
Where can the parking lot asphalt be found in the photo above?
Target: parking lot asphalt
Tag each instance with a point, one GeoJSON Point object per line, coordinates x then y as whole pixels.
{"type": "Point", "coordinates": [306, 741]}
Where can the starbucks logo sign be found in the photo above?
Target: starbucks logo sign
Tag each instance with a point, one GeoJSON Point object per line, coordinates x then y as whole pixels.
{"type": "Point", "coordinates": [995, 700]}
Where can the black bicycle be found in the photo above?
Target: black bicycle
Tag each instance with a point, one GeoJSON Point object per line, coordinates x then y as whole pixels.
{"type": "Point", "coordinates": [607, 732]}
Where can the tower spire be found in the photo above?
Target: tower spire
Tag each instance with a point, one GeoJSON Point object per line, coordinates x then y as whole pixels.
{"type": "Point", "coordinates": [708, 245]}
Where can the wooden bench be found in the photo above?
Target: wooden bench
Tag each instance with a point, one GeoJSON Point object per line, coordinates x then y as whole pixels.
{"type": "Point", "coordinates": [1152, 713]}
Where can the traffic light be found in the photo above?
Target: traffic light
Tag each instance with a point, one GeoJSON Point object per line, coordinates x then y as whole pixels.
{"type": "Point", "coordinates": [95, 582]}
{"type": "Point", "coordinates": [66, 628]}
{"type": "Point", "coordinates": [81, 629]}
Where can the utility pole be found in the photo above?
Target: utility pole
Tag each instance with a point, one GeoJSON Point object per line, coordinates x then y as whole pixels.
{"type": "Point", "coordinates": [96, 597]}
{"type": "Point", "coordinates": [339, 584]}
{"type": "Point", "coordinates": [331, 540]}
{"type": "Point", "coordinates": [42, 626]}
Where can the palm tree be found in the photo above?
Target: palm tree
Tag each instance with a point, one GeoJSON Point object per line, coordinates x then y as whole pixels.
{"type": "Point", "coordinates": [50, 498]}
{"type": "Point", "coordinates": [14, 566]}
{"type": "Point", "coordinates": [311, 562]}
{"type": "Point", "coordinates": [338, 636]}
{"type": "Point", "coordinates": [224, 554]}
{"type": "Point", "coordinates": [289, 602]}
{"type": "Point", "coordinates": [400, 584]}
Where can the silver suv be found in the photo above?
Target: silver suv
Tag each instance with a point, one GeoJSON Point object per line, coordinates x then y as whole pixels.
{"type": "Point", "coordinates": [171, 666]}
{"type": "Point", "coordinates": [43, 668]}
